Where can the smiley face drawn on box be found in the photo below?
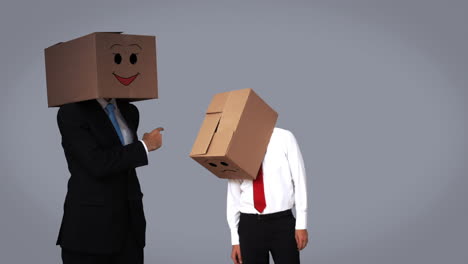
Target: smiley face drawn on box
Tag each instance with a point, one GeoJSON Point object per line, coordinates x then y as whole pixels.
{"type": "Point", "coordinates": [126, 64]}
{"type": "Point", "coordinates": [101, 65]}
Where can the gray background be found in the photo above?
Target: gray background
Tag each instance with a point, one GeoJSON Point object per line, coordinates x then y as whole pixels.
{"type": "Point", "coordinates": [375, 92]}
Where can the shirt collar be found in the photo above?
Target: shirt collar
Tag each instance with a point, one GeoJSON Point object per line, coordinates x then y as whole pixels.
{"type": "Point", "coordinates": [104, 103]}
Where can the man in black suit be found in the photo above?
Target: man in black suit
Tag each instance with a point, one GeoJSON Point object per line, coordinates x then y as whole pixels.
{"type": "Point", "coordinates": [103, 219]}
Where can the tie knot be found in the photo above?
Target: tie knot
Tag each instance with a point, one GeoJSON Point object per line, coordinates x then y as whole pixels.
{"type": "Point", "coordinates": [110, 108]}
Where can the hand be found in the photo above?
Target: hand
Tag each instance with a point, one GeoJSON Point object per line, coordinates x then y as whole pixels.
{"type": "Point", "coordinates": [236, 254]}
{"type": "Point", "coordinates": [302, 238]}
{"type": "Point", "coordinates": [153, 139]}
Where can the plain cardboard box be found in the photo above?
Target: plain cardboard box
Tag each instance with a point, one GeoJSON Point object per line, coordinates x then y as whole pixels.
{"type": "Point", "coordinates": [101, 65]}
{"type": "Point", "coordinates": [234, 135]}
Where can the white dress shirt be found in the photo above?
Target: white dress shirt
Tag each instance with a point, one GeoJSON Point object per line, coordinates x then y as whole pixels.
{"type": "Point", "coordinates": [126, 133]}
{"type": "Point", "coordinates": [284, 181]}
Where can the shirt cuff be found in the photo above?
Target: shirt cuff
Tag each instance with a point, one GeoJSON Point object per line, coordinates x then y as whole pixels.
{"type": "Point", "coordinates": [301, 220]}
{"type": "Point", "coordinates": [234, 237]}
{"type": "Point", "coordinates": [144, 145]}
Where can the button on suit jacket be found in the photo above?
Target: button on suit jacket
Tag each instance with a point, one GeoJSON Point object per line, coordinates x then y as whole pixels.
{"type": "Point", "coordinates": [104, 199]}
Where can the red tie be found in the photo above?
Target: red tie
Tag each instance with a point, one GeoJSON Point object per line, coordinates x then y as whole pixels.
{"type": "Point", "coordinates": [259, 192]}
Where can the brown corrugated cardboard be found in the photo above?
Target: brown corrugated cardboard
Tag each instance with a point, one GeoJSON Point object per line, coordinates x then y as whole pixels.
{"type": "Point", "coordinates": [234, 135]}
{"type": "Point", "coordinates": [101, 65]}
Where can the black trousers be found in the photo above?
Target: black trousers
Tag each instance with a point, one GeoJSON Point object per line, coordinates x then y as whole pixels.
{"type": "Point", "coordinates": [131, 253]}
{"type": "Point", "coordinates": [261, 234]}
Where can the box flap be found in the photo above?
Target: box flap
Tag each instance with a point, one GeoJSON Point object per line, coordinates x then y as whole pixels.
{"type": "Point", "coordinates": [220, 142]}
{"type": "Point", "coordinates": [207, 130]}
{"type": "Point", "coordinates": [217, 103]}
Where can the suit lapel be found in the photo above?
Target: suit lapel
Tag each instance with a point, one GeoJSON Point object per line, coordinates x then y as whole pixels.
{"type": "Point", "coordinates": [124, 109]}
{"type": "Point", "coordinates": [102, 121]}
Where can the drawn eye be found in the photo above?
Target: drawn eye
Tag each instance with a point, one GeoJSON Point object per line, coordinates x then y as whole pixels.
{"type": "Point", "coordinates": [117, 58]}
{"type": "Point", "coordinates": [224, 163]}
{"type": "Point", "coordinates": [133, 58]}
{"type": "Point", "coordinates": [212, 164]}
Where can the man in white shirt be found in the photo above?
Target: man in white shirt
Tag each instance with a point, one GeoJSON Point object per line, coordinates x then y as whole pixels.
{"type": "Point", "coordinates": [259, 212]}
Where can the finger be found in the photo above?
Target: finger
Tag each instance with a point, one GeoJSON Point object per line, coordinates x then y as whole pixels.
{"type": "Point", "coordinates": [235, 258]}
{"type": "Point", "coordinates": [239, 257]}
{"type": "Point", "coordinates": [298, 242]}
{"type": "Point", "coordinates": [159, 129]}
{"type": "Point", "coordinates": [303, 244]}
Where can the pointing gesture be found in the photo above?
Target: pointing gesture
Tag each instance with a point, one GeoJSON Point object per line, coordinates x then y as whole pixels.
{"type": "Point", "coordinates": [153, 139]}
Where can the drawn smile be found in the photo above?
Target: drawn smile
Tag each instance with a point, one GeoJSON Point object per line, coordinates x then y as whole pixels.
{"type": "Point", "coordinates": [125, 80]}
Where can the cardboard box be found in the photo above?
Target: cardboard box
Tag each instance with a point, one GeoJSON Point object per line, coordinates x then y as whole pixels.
{"type": "Point", "coordinates": [234, 136]}
{"type": "Point", "coordinates": [101, 65]}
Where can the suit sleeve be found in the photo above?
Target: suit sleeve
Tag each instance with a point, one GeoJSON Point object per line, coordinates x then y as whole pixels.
{"type": "Point", "coordinates": [80, 145]}
{"type": "Point", "coordinates": [136, 115]}
{"type": "Point", "coordinates": [137, 122]}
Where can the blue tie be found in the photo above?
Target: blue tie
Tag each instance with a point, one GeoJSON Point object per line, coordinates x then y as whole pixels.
{"type": "Point", "coordinates": [110, 112]}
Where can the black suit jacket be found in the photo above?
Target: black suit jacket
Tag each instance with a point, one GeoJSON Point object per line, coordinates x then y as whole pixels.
{"type": "Point", "coordinates": [104, 200]}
